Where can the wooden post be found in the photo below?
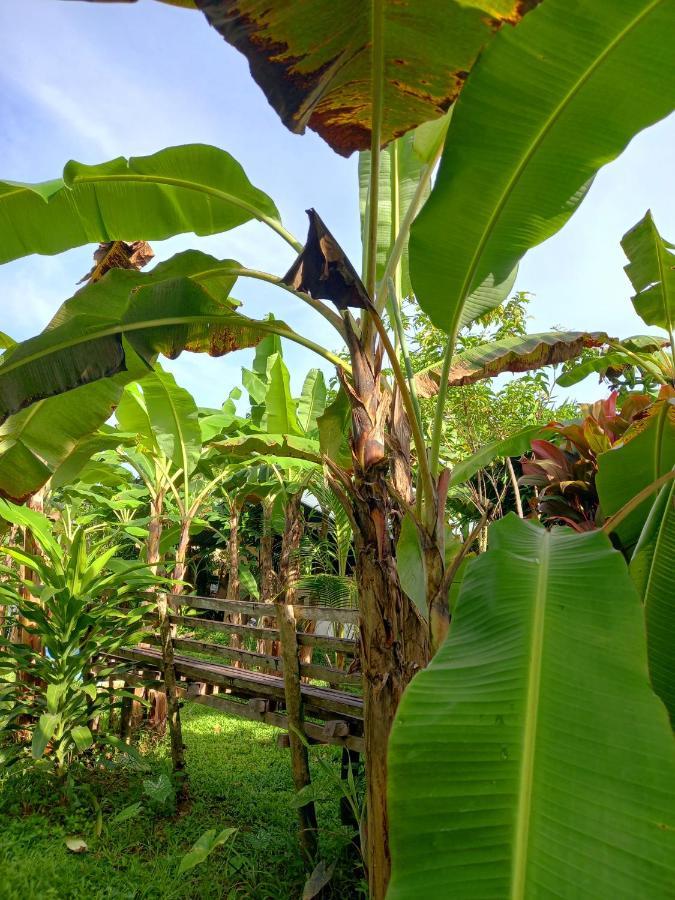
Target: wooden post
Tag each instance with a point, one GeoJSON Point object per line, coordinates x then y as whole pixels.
{"type": "Point", "coordinates": [299, 755]}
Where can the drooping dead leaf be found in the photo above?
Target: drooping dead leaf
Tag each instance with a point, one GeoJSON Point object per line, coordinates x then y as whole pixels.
{"type": "Point", "coordinates": [314, 61]}
{"type": "Point", "coordinates": [323, 270]}
{"type": "Point", "coordinates": [118, 255]}
{"type": "Point", "coordinates": [514, 354]}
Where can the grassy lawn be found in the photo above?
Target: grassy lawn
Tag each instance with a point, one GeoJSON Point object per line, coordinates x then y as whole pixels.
{"type": "Point", "coordinates": [238, 777]}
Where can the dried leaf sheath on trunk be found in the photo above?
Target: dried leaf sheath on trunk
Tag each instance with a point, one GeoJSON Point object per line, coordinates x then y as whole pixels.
{"type": "Point", "coordinates": [288, 576]}
{"type": "Point", "coordinates": [394, 638]}
{"type": "Point", "coordinates": [166, 641]}
{"type": "Point", "coordinates": [233, 583]}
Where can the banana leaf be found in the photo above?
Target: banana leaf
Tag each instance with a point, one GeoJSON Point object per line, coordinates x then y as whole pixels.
{"type": "Point", "coordinates": [531, 758]}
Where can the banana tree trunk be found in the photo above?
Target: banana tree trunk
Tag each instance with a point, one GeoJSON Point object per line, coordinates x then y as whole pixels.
{"type": "Point", "coordinates": [288, 575]}
{"type": "Point", "coordinates": [166, 643]}
{"type": "Point", "coordinates": [393, 636]}
{"type": "Point", "coordinates": [233, 583]}
{"type": "Point", "coordinates": [268, 577]}
{"type": "Point", "coordinates": [180, 566]}
{"type": "Point", "coordinates": [394, 646]}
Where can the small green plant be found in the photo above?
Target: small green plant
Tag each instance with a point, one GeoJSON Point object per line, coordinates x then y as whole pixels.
{"type": "Point", "coordinates": [203, 847]}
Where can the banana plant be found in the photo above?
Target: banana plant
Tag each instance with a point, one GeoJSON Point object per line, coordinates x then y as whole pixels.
{"type": "Point", "coordinates": [548, 102]}
{"type": "Point", "coordinates": [530, 787]}
{"type": "Point", "coordinates": [169, 449]}
{"type": "Point", "coordinates": [650, 270]}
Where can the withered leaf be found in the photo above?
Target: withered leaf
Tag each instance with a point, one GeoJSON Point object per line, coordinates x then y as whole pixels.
{"type": "Point", "coordinates": [519, 353]}
{"type": "Point", "coordinates": [314, 60]}
{"type": "Point", "coordinates": [323, 271]}
{"type": "Point", "coordinates": [118, 255]}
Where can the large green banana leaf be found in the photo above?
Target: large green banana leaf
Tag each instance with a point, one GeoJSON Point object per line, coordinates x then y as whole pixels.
{"type": "Point", "coordinates": [653, 361]}
{"type": "Point", "coordinates": [192, 188]}
{"type": "Point", "coordinates": [532, 759]}
{"type": "Point", "coordinates": [402, 165]}
{"type": "Point", "coordinates": [316, 65]}
{"type": "Point", "coordinates": [165, 415]}
{"type": "Point", "coordinates": [510, 354]}
{"type": "Point", "coordinates": [36, 442]}
{"type": "Point", "coordinates": [280, 414]}
{"type": "Point", "coordinates": [652, 273]}
{"type": "Point", "coordinates": [255, 379]}
{"type": "Point", "coordinates": [312, 400]}
{"type": "Point", "coordinates": [547, 104]}
{"type": "Point", "coordinates": [646, 451]}
{"type": "Point", "coordinates": [652, 568]}
{"type": "Point", "coordinates": [334, 430]}
{"type": "Point", "coordinates": [123, 321]}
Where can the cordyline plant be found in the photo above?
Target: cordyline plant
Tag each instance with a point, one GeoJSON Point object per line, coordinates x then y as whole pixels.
{"type": "Point", "coordinates": [564, 476]}
{"type": "Point", "coordinates": [541, 107]}
{"type": "Point", "coordinates": [80, 602]}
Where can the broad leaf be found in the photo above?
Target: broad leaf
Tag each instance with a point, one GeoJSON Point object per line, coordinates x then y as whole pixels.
{"type": "Point", "coordinates": [255, 380]}
{"type": "Point", "coordinates": [651, 569]}
{"type": "Point", "coordinates": [510, 354]}
{"type": "Point", "coordinates": [53, 438]}
{"type": "Point", "coordinates": [174, 419]}
{"type": "Point", "coordinates": [400, 171]}
{"type": "Point", "coordinates": [76, 844]}
{"type": "Point", "coordinates": [646, 451]}
{"type": "Point", "coordinates": [129, 812]}
{"type": "Point", "coordinates": [514, 445]}
{"type": "Point", "coordinates": [203, 847]}
{"type": "Point", "coordinates": [652, 273]}
{"type": "Point", "coordinates": [79, 464]}
{"type": "Point", "coordinates": [280, 415]}
{"type": "Point", "coordinates": [44, 732]}
{"type": "Point", "coordinates": [410, 564]}
{"type": "Point", "coordinates": [312, 402]}
{"type": "Point", "coordinates": [280, 445]}
{"type": "Point", "coordinates": [531, 758]}
{"type": "Point", "coordinates": [40, 526]}
{"type": "Point", "coordinates": [315, 62]}
{"type": "Point", "coordinates": [124, 321]}
{"type": "Point", "coordinates": [547, 104]}
{"type": "Point", "coordinates": [334, 429]}
{"type": "Point", "coordinates": [192, 188]}
{"type": "Point", "coordinates": [82, 736]}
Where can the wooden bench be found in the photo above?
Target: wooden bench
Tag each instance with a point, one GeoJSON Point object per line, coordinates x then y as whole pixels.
{"type": "Point", "coordinates": [259, 686]}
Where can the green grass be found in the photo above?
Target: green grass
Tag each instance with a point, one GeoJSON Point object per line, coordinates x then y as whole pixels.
{"type": "Point", "coordinates": [238, 777]}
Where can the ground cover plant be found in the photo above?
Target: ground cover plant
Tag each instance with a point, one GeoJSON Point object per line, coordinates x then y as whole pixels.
{"type": "Point", "coordinates": [547, 543]}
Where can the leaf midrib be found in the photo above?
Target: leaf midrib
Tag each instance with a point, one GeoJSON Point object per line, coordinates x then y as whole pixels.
{"type": "Point", "coordinates": [534, 146]}
{"type": "Point", "coordinates": [657, 544]}
{"type": "Point", "coordinates": [526, 776]}
{"type": "Point", "coordinates": [179, 431]}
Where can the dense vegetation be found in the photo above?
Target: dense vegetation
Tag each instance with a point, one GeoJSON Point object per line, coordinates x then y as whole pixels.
{"type": "Point", "coordinates": [510, 556]}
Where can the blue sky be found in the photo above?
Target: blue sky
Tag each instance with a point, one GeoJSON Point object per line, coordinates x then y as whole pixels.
{"type": "Point", "coordinates": [86, 82]}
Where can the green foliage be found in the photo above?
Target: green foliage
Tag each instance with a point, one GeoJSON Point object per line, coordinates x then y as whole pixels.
{"type": "Point", "coordinates": [651, 568]}
{"type": "Point", "coordinates": [652, 273]}
{"type": "Point", "coordinates": [85, 608]}
{"type": "Point", "coordinates": [190, 188]}
{"type": "Point", "coordinates": [526, 141]}
{"type": "Point", "coordinates": [203, 847]}
{"type": "Point", "coordinates": [238, 776]}
{"type": "Point", "coordinates": [510, 771]}
{"type": "Point", "coordinates": [646, 452]}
